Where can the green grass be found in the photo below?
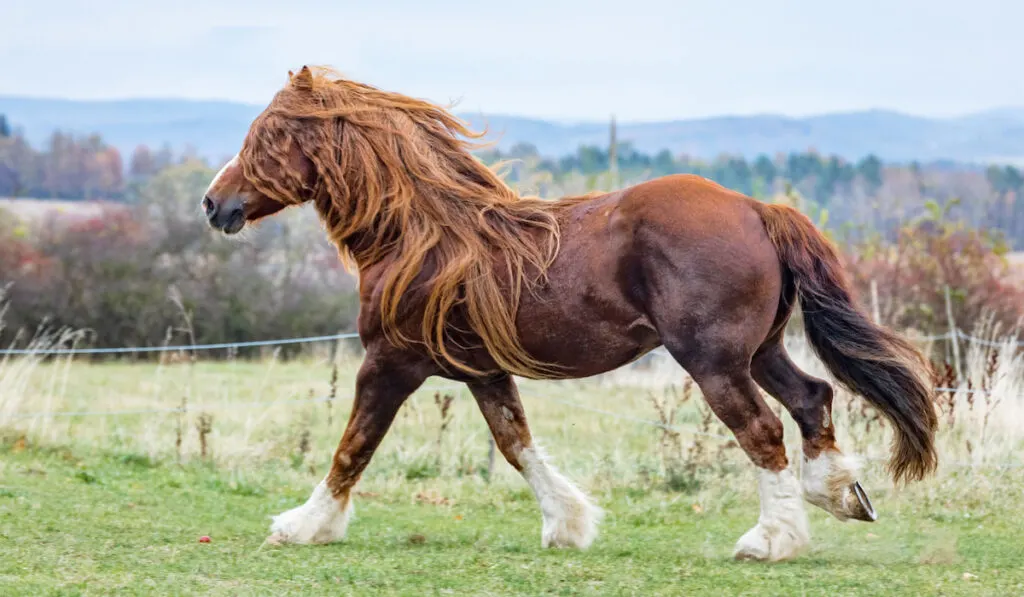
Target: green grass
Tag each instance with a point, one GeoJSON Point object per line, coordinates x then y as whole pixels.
{"type": "Point", "coordinates": [105, 523]}
{"type": "Point", "coordinates": [100, 505]}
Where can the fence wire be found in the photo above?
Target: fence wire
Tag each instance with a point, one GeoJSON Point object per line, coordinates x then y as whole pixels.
{"type": "Point", "coordinates": [176, 348]}
{"type": "Point", "coordinates": [147, 411]}
{"type": "Point", "coordinates": [344, 336]}
{"type": "Point", "coordinates": [351, 335]}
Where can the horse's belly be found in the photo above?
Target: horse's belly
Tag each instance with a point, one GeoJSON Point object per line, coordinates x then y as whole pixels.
{"type": "Point", "coordinates": [584, 342]}
{"type": "Point", "coordinates": [590, 318]}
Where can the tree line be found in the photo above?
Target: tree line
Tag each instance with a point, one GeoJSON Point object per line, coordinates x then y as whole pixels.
{"type": "Point", "coordinates": [78, 167]}
{"type": "Point", "coordinates": [865, 192]}
{"type": "Point", "coordinates": [70, 167]}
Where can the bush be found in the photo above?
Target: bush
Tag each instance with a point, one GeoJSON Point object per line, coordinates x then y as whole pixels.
{"type": "Point", "coordinates": [931, 253]}
{"type": "Point", "coordinates": [17, 255]}
{"type": "Point", "coordinates": [126, 274]}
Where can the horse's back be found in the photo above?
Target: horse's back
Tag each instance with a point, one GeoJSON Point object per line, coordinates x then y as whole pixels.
{"type": "Point", "coordinates": [690, 201]}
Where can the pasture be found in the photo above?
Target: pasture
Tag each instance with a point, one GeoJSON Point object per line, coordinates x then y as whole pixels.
{"type": "Point", "coordinates": [104, 504]}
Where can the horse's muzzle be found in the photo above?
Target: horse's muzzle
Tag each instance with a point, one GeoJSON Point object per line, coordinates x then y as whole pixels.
{"type": "Point", "coordinates": [228, 216]}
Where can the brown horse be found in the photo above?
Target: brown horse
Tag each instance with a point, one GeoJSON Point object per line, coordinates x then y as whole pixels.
{"type": "Point", "coordinates": [462, 278]}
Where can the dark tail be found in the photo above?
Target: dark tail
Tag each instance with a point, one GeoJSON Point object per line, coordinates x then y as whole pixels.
{"type": "Point", "coordinates": [867, 359]}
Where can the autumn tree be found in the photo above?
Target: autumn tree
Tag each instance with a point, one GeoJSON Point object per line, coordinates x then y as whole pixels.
{"type": "Point", "coordinates": [142, 164]}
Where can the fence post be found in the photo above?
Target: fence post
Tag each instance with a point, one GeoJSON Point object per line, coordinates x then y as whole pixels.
{"type": "Point", "coordinates": [490, 458]}
{"type": "Point", "coordinates": [874, 303]}
{"type": "Point", "coordinates": [954, 336]}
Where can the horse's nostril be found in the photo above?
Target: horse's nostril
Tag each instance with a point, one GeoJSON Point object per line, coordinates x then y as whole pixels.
{"type": "Point", "coordinates": [209, 207]}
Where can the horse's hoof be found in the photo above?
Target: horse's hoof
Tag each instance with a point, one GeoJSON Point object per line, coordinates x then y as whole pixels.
{"type": "Point", "coordinates": [772, 544]}
{"type": "Point", "coordinates": [858, 505]}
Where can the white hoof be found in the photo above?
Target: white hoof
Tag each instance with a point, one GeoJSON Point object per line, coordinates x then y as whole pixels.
{"type": "Point", "coordinates": [782, 531]}
{"type": "Point", "coordinates": [570, 523]}
{"type": "Point", "coordinates": [570, 517]}
{"type": "Point", "coordinates": [768, 544]}
{"type": "Point", "coordinates": [830, 483]}
{"type": "Point", "coordinates": [322, 519]}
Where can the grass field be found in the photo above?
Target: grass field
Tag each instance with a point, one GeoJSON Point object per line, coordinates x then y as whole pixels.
{"type": "Point", "coordinates": [105, 524]}
{"type": "Point", "coordinates": [115, 504]}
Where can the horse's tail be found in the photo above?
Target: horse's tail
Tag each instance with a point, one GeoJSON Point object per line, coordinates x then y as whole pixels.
{"type": "Point", "coordinates": [866, 358]}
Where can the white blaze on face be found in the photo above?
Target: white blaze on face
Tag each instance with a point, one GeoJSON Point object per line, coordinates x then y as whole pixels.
{"type": "Point", "coordinates": [232, 162]}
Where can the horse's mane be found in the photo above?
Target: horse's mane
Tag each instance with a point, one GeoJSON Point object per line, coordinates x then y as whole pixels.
{"type": "Point", "coordinates": [396, 178]}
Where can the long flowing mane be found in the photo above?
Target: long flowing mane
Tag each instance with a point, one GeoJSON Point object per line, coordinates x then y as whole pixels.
{"type": "Point", "coordinates": [396, 178]}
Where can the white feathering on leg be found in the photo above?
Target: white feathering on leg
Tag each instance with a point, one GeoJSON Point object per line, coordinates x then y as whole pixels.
{"type": "Point", "coordinates": [570, 517]}
{"type": "Point", "coordinates": [322, 519]}
{"type": "Point", "coordinates": [782, 530]}
{"type": "Point", "coordinates": [827, 480]}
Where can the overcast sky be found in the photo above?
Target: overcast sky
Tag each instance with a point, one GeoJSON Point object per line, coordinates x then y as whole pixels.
{"type": "Point", "coordinates": [567, 59]}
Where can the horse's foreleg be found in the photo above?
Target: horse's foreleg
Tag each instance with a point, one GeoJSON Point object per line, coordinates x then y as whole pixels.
{"type": "Point", "coordinates": [569, 517]}
{"type": "Point", "coordinates": [782, 528]}
{"type": "Point", "coordinates": [829, 477]}
{"type": "Point", "coordinates": [380, 391]}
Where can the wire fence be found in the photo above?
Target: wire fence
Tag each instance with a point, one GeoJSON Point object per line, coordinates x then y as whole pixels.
{"type": "Point", "coordinates": [350, 335]}
{"type": "Point", "coordinates": [345, 336]}
{"type": "Point", "coordinates": [149, 411]}
{"type": "Point", "coordinates": [962, 335]}
{"type": "Point", "coordinates": [176, 348]}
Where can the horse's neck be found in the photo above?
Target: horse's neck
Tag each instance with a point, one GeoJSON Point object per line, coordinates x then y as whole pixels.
{"type": "Point", "coordinates": [359, 243]}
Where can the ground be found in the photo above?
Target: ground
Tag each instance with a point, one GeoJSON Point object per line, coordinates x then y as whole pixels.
{"type": "Point", "coordinates": [99, 505]}
{"type": "Point", "coordinates": [104, 524]}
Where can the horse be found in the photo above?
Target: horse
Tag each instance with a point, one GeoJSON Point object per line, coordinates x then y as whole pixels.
{"type": "Point", "coordinates": [462, 278]}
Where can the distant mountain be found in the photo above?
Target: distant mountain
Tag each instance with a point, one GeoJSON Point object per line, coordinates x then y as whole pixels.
{"type": "Point", "coordinates": [215, 129]}
{"type": "Point", "coordinates": [991, 136]}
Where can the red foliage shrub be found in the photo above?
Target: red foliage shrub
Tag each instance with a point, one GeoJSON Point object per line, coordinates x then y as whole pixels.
{"type": "Point", "coordinates": [117, 272]}
{"type": "Point", "coordinates": [17, 255]}
{"type": "Point", "coordinates": [931, 253]}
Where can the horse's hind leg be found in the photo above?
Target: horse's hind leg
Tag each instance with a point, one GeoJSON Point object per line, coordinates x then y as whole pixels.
{"type": "Point", "coordinates": [829, 478]}
{"type": "Point", "coordinates": [724, 379]}
{"type": "Point", "coordinates": [380, 390]}
{"type": "Point", "coordinates": [569, 517]}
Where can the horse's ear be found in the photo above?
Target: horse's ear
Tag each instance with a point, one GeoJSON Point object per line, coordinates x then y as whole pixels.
{"type": "Point", "coordinates": [303, 79]}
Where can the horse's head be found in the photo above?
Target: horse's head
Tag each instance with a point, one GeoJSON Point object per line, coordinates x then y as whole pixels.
{"type": "Point", "coordinates": [270, 173]}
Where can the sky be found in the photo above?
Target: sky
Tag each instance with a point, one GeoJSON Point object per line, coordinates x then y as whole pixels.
{"type": "Point", "coordinates": [641, 60]}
